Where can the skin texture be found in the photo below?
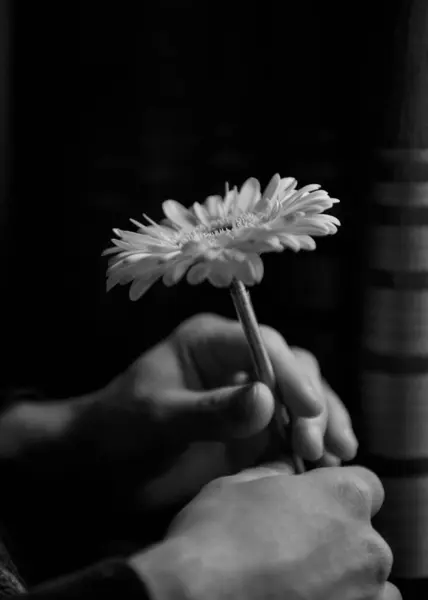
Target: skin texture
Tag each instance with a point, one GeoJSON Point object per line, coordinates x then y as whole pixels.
{"type": "Point", "coordinates": [266, 534]}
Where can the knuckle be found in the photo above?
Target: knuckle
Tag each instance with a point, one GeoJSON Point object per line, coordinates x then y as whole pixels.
{"type": "Point", "coordinates": [391, 592]}
{"type": "Point", "coordinates": [202, 320]}
{"type": "Point", "coordinates": [306, 358]}
{"type": "Point", "coordinates": [378, 557]}
{"type": "Point", "coordinates": [217, 484]}
{"type": "Point", "coordinates": [217, 487]}
{"type": "Point", "coordinates": [273, 338]}
{"type": "Point", "coordinates": [354, 496]}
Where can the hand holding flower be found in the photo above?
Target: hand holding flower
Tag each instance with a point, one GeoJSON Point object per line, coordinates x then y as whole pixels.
{"type": "Point", "coordinates": [221, 241]}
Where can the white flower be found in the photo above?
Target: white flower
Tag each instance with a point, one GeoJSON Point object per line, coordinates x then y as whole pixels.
{"type": "Point", "coordinates": [222, 238]}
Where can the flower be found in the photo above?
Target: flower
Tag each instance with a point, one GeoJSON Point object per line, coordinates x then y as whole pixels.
{"type": "Point", "coordinates": [222, 238]}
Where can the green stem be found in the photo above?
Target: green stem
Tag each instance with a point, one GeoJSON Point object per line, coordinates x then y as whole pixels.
{"type": "Point", "coordinates": [263, 366]}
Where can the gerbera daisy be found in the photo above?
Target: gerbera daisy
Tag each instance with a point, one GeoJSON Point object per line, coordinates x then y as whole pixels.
{"type": "Point", "coordinates": [221, 240]}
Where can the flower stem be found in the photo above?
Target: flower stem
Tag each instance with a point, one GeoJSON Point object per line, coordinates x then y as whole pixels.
{"type": "Point", "coordinates": [263, 367]}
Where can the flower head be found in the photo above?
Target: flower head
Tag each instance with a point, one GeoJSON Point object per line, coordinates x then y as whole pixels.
{"type": "Point", "coordinates": [222, 238]}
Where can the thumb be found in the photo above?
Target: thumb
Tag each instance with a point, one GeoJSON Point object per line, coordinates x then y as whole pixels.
{"type": "Point", "coordinates": [223, 413]}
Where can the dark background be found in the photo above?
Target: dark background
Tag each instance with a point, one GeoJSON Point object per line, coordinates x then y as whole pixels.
{"type": "Point", "coordinates": [113, 109]}
{"type": "Point", "coordinates": [106, 111]}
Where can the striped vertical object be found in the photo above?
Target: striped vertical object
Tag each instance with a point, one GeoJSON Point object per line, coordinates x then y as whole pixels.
{"type": "Point", "coordinates": [394, 374]}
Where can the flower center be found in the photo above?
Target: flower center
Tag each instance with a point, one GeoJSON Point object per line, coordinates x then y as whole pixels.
{"type": "Point", "coordinates": [218, 225]}
{"type": "Point", "coordinates": [221, 226]}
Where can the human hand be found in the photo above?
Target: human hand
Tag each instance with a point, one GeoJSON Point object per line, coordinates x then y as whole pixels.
{"type": "Point", "coordinates": [212, 424]}
{"type": "Point", "coordinates": [264, 534]}
{"type": "Point", "coordinates": [172, 422]}
{"type": "Point", "coordinates": [185, 413]}
{"type": "Point", "coordinates": [191, 394]}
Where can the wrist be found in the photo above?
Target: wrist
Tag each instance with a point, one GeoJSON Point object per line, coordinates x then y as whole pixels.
{"type": "Point", "coordinates": [29, 421]}
{"type": "Point", "coordinates": [170, 570]}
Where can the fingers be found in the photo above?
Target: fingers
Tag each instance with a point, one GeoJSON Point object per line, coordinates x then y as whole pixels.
{"type": "Point", "coordinates": [328, 460]}
{"type": "Point", "coordinates": [389, 592]}
{"type": "Point", "coordinates": [308, 439]}
{"type": "Point", "coordinates": [308, 434]}
{"type": "Point", "coordinates": [331, 429]}
{"type": "Point", "coordinates": [219, 414]}
{"type": "Point", "coordinates": [295, 388]}
{"type": "Point", "coordinates": [225, 343]}
{"type": "Point", "coordinates": [339, 436]}
{"type": "Point", "coordinates": [357, 487]}
{"type": "Point", "coordinates": [317, 410]}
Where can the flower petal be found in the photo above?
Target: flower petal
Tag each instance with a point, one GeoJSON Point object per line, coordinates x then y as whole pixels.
{"type": "Point", "coordinates": [315, 202]}
{"type": "Point", "coordinates": [140, 241]}
{"type": "Point", "coordinates": [318, 224]}
{"type": "Point", "coordinates": [252, 270]}
{"type": "Point", "coordinates": [230, 201]}
{"type": "Point", "coordinates": [258, 267]}
{"type": "Point", "coordinates": [179, 214]}
{"type": "Point", "coordinates": [196, 249]}
{"type": "Point", "coordinates": [198, 273]}
{"type": "Point", "coordinates": [168, 224]}
{"type": "Point", "coordinates": [220, 277]}
{"type": "Point", "coordinates": [290, 241]}
{"type": "Point", "coordinates": [157, 231]}
{"type": "Point", "coordinates": [272, 243]}
{"type": "Point", "coordinates": [176, 271]}
{"type": "Point", "coordinates": [214, 206]}
{"type": "Point", "coordinates": [123, 271]}
{"type": "Point", "coordinates": [326, 222]}
{"type": "Point", "coordinates": [140, 286]}
{"type": "Point", "coordinates": [114, 280]}
{"type": "Point", "coordinates": [130, 258]}
{"type": "Point", "coordinates": [201, 213]}
{"type": "Point", "coordinates": [272, 187]}
{"type": "Point", "coordinates": [108, 251]}
{"type": "Point", "coordinates": [306, 242]}
{"type": "Point", "coordinates": [234, 254]}
{"type": "Point", "coordinates": [248, 196]}
{"type": "Point", "coordinates": [286, 187]}
{"type": "Point", "coordinates": [298, 194]}
{"type": "Point", "coordinates": [222, 269]}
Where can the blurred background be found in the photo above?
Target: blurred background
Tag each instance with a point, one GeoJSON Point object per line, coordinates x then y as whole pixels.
{"type": "Point", "coordinates": [107, 109]}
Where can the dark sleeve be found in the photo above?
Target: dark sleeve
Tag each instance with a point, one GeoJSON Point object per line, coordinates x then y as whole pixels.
{"type": "Point", "coordinates": [109, 580]}
{"type": "Point", "coordinates": [10, 582]}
